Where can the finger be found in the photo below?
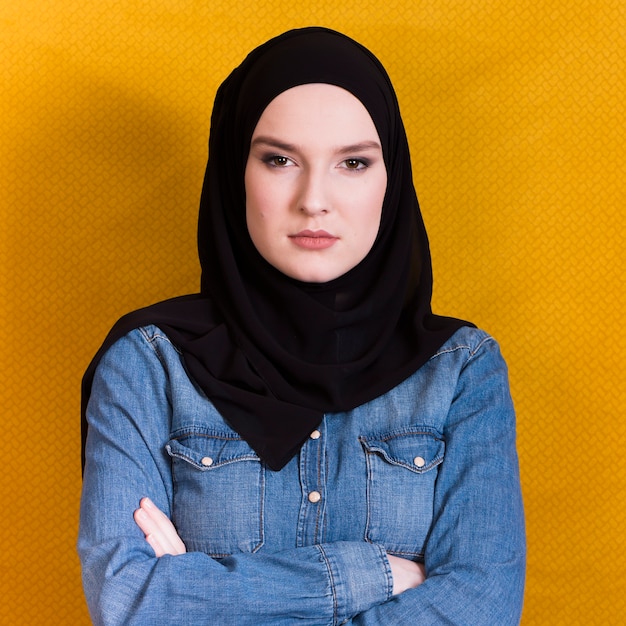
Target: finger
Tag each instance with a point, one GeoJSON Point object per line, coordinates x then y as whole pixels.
{"type": "Point", "coordinates": [158, 529]}
{"type": "Point", "coordinates": [151, 532]}
{"type": "Point", "coordinates": [154, 543]}
{"type": "Point", "coordinates": [145, 521]}
{"type": "Point", "coordinates": [165, 526]}
{"type": "Point", "coordinates": [153, 535]}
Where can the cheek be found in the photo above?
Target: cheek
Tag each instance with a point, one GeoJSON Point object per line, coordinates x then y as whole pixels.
{"type": "Point", "coordinates": [255, 221]}
{"type": "Point", "coordinates": [255, 200]}
{"type": "Point", "coordinates": [371, 228]}
{"type": "Point", "coordinates": [258, 211]}
{"type": "Point", "coordinates": [260, 217]}
{"type": "Point", "coordinates": [263, 194]}
{"type": "Point", "coordinates": [373, 207]}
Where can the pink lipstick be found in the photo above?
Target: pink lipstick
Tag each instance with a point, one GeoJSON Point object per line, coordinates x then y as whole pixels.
{"type": "Point", "coordinates": [313, 239]}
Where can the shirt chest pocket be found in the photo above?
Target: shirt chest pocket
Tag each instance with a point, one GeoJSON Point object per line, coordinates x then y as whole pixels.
{"type": "Point", "coordinates": [219, 486]}
{"type": "Point", "coordinates": [402, 470]}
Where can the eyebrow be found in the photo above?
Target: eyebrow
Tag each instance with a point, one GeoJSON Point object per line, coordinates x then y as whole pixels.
{"type": "Point", "coordinates": [360, 147]}
{"type": "Point", "coordinates": [288, 147]}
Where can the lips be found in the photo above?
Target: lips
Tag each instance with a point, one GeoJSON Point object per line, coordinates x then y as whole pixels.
{"type": "Point", "coordinates": [313, 239]}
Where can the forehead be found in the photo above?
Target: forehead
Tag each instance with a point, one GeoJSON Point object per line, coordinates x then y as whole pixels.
{"type": "Point", "coordinates": [317, 110]}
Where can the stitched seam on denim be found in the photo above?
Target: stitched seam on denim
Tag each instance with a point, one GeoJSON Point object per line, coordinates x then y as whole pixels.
{"type": "Point", "coordinates": [152, 339]}
{"type": "Point", "coordinates": [332, 581]}
{"type": "Point", "coordinates": [261, 542]}
{"type": "Point", "coordinates": [186, 431]}
{"type": "Point", "coordinates": [450, 350]}
{"type": "Point", "coordinates": [472, 350]}
{"type": "Point", "coordinates": [480, 345]}
{"type": "Point", "coordinates": [368, 491]}
{"type": "Point", "coordinates": [192, 461]}
{"type": "Point", "coordinates": [474, 353]}
{"type": "Point", "coordinates": [302, 510]}
{"type": "Point", "coordinates": [405, 553]}
{"type": "Point", "coordinates": [421, 429]}
{"type": "Point", "coordinates": [396, 434]}
{"type": "Point", "coordinates": [387, 567]}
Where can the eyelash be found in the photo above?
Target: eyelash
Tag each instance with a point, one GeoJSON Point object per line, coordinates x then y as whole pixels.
{"type": "Point", "coordinates": [361, 164]}
{"type": "Point", "coordinates": [271, 160]}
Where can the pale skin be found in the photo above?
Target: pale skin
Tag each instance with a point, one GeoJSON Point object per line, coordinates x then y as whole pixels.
{"type": "Point", "coordinates": [315, 167]}
{"type": "Point", "coordinates": [315, 182]}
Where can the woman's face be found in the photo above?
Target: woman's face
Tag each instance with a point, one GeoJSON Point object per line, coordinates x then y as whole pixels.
{"type": "Point", "coordinates": [315, 182]}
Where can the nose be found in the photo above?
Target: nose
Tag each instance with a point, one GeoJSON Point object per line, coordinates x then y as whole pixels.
{"type": "Point", "coordinates": [314, 194]}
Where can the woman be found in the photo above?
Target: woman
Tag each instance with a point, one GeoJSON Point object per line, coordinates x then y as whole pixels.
{"type": "Point", "coordinates": [328, 451]}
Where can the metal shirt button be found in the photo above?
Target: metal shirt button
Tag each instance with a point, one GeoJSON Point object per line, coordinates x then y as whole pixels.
{"type": "Point", "coordinates": [207, 461]}
{"type": "Point", "coordinates": [418, 461]}
{"type": "Point", "coordinates": [316, 434]}
{"type": "Point", "coordinates": [315, 496]}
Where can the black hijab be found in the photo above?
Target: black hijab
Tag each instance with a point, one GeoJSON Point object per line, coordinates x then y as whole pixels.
{"type": "Point", "coordinates": [272, 353]}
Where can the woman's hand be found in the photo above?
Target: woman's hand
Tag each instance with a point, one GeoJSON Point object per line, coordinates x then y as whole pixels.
{"type": "Point", "coordinates": [406, 574]}
{"type": "Point", "coordinates": [158, 529]}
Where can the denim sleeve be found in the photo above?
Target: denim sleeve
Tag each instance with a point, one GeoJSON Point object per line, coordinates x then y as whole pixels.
{"type": "Point", "coordinates": [124, 583]}
{"type": "Point", "coordinates": [475, 552]}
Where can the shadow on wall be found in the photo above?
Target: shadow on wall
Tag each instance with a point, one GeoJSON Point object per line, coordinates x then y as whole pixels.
{"type": "Point", "coordinates": [100, 188]}
{"type": "Point", "coordinates": [104, 181]}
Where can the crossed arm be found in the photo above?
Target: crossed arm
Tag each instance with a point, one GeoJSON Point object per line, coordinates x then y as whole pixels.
{"type": "Point", "coordinates": [161, 534]}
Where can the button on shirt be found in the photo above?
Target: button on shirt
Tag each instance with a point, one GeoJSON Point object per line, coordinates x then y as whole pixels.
{"type": "Point", "coordinates": [427, 472]}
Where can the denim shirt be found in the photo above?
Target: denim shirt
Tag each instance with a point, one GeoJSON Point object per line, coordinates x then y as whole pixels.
{"type": "Point", "coordinates": [427, 472]}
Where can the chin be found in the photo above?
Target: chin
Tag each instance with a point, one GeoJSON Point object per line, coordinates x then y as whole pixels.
{"type": "Point", "coordinates": [314, 276]}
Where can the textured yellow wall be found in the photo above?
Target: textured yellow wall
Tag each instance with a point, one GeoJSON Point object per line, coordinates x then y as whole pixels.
{"type": "Point", "coordinates": [515, 113]}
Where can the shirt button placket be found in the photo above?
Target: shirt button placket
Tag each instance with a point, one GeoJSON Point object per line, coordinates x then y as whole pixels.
{"type": "Point", "coordinates": [313, 479]}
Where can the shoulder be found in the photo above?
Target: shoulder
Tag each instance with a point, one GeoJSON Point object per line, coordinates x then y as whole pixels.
{"type": "Point", "coordinates": [467, 342]}
{"type": "Point", "coordinates": [152, 335]}
{"type": "Point", "coordinates": [146, 324]}
{"type": "Point", "coordinates": [141, 345]}
{"type": "Point", "coordinates": [469, 362]}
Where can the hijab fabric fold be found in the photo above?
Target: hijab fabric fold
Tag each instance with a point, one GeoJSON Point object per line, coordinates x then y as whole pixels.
{"type": "Point", "coordinates": [274, 354]}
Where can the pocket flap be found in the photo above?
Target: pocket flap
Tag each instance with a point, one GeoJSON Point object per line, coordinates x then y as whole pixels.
{"type": "Point", "coordinates": [418, 450]}
{"type": "Point", "coordinates": [209, 451]}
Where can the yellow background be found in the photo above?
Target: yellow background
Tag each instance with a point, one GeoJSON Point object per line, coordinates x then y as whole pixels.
{"type": "Point", "coordinates": [515, 115]}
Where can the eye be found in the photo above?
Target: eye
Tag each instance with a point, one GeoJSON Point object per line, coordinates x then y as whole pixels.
{"type": "Point", "coordinates": [355, 164]}
{"type": "Point", "coordinates": [277, 160]}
